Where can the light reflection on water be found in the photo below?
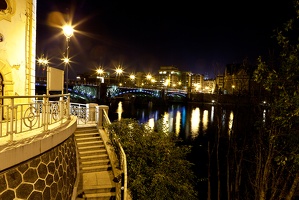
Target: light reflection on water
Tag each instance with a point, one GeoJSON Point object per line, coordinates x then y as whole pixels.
{"type": "Point", "coordinates": [188, 121]}
{"type": "Point", "coordinates": [230, 122]}
{"type": "Point", "coordinates": [119, 110]}
{"type": "Point", "coordinates": [205, 120]}
{"type": "Point", "coordinates": [195, 119]}
{"type": "Point", "coordinates": [177, 123]}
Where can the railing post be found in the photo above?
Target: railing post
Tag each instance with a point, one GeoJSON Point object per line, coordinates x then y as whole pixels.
{"type": "Point", "coordinates": [68, 108]}
{"type": "Point", "coordinates": [45, 111]}
{"type": "Point", "coordinates": [91, 111]}
{"type": "Point", "coordinates": [101, 115]}
{"type": "Point", "coordinates": [97, 115]}
{"type": "Point", "coordinates": [11, 118]}
{"type": "Point", "coordinates": [61, 109]}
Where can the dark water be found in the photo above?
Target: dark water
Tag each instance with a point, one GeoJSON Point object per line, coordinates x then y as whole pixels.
{"type": "Point", "coordinates": [195, 124]}
{"type": "Point", "coordinates": [187, 121]}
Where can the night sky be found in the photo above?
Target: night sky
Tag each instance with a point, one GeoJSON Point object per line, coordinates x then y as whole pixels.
{"type": "Point", "coordinates": [198, 36]}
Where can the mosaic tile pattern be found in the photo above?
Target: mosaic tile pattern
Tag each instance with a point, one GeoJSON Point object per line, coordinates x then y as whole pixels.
{"type": "Point", "coordinates": [51, 175]}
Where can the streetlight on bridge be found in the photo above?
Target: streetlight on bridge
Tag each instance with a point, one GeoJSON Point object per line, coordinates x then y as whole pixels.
{"type": "Point", "coordinates": [100, 72]}
{"type": "Point", "coordinates": [119, 71]}
{"type": "Point", "coordinates": [68, 32]}
{"type": "Point", "coordinates": [42, 61]}
{"type": "Point", "coordinates": [132, 78]}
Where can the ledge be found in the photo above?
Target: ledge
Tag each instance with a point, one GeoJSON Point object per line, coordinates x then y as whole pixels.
{"type": "Point", "coordinates": [27, 148]}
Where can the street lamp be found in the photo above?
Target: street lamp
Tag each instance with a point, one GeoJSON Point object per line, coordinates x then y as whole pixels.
{"type": "Point", "coordinates": [118, 72]}
{"type": "Point", "coordinates": [148, 77]}
{"type": "Point", "coordinates": [42, 61]}
{"type": "Point", "coordinates": [132, 78]}
{"type": "Point", "coordinates": [68, 32]}
{"type": "Point", "coordinates": [100, 72]}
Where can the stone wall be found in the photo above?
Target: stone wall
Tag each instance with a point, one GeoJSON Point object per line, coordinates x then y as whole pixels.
{"type": "Point", "coordinates": [51, 175]}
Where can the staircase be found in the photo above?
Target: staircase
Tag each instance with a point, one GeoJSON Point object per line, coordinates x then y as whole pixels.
{"type": "Point", "coordinates": [96, 176]}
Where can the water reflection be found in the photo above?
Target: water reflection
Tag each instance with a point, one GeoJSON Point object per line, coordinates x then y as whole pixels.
{"type": "Point", "coordinates": [230, 122]}
{"type": "Point", "coordinates": [264, 115]}
{"type": "Point", "coordinates": [205, 120]}
{"type": "Point", "coordinates": [119, 110]}
{"type": "Point", "coordinates": [187, 121]}
{"type": "Point", "coordinates": [212, 113]}
{"type": "Point", "coordinates": [177, 123]}
{"type": "Point", "coordinates": [195, 122]}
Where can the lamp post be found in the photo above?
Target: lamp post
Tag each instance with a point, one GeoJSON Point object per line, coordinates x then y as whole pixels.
{"type": "Point", "coordinates": [119, 72]}
{"type": "Point", "coordinates": [148, 77]}
{"type": "Point", "coordinates": [42, 61]}
{"type": "Point", "coordinates": [68, 32]}
{"type": "Point", "coordinates": [100, 72]}
{"type": "Point", "coordinates": [132, 78]}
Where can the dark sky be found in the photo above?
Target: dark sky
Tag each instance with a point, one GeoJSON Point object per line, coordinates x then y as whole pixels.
{"type": "Point", "coordinates": [197, 36]}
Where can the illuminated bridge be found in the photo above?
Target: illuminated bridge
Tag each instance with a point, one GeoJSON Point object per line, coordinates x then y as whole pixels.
{"type": "Point", "coordinates": [115, 91]}
{"type": "Point", "coordinates": [97, 92]}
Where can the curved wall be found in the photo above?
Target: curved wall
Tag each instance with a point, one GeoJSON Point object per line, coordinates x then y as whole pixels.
{"type": "Point", "coordinates": [49, 173]}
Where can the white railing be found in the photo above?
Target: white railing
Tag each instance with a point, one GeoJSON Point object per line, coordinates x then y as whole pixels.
{"type": "Point", "coordinates": [121, 187]}
{"type": "Point", "coordinates": [24, 114]}
{"type": "Point", "coordinates": [81, 111]}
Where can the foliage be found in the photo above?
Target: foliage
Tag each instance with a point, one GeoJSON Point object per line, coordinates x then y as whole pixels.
{"type": "Point", "coordinates": [157, 165]}
{"type": "Point", "coordinates": [277, 148]}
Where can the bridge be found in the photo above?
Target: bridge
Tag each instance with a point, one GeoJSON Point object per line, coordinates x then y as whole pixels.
{"type": "Point", "coordinates": [87, 92]}
{"type": "Point", "coordinates": [116, 91]}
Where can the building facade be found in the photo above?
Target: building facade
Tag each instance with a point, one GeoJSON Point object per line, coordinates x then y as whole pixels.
{"type": "Point", "coordinates": [17, 47]}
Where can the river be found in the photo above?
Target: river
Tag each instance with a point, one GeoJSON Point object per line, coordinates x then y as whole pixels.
{"type": "Point", "coordinates": [187, 121]}
{"type": "Point", "coordinates": [195, 124]}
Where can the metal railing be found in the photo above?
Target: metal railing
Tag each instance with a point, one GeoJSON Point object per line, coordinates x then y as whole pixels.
{"type": "Point", "coordinates": [81, 111]}
{"type": "Point", "coordinates": [121, 187]}
{"type": "Point", "coordinates": [23, 114]}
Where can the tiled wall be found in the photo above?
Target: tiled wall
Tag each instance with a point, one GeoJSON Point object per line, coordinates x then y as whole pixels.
{"type": "Point", "coordinates": [51, 175]}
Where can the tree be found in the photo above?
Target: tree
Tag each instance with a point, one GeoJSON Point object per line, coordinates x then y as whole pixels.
{"type": "Point", "coordinates": [276, 144]}
{"type": "Point", "coordinates": [157, 164]}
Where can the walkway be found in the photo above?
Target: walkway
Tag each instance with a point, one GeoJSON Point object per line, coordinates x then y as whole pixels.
{"type": "Point", "coordinates": [95, 166]}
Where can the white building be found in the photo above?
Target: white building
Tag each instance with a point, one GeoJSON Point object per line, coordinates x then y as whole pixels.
{"type": "Point", "coordinates": [17, 47]}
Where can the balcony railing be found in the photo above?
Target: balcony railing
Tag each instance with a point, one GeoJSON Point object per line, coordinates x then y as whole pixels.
{"type": "Point", "coordinates": [32, 114]}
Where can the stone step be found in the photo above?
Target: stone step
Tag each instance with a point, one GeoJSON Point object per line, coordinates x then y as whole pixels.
{"type": "Point", "coordinates": [100, 196]}
{"type": "Point", "coordinates": [86, 131]}
{"type": "Point", "coordinates": [98, 189]}
{"type": "Point", "coordinates": [89, 169]}
{"type": "Point", "coordinates": [93, 157]}
{"type": "Point", "coordinates": [84, 134]}
{"type": "Point", "coordinates": [95, 162]}
{"type": "Point", "coordinates": [89, 143]}
{"type": "Point", "coordinates": [96, 152]}
{"type": "Point", "coordinates": [82, 139]}
{"type": "Point", "coordinates": [92, 147]}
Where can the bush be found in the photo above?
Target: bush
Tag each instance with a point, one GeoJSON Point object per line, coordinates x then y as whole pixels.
{"type": "Point", "coordinates": [157, 165]}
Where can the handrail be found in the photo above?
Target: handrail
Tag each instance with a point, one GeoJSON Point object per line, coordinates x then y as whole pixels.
{"type": "Point", "coordinates": [23, 114]}
{"type": "Point", "coordinates": [121, 157]}
{"type": "Point", "coordinates": [81, 111]}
